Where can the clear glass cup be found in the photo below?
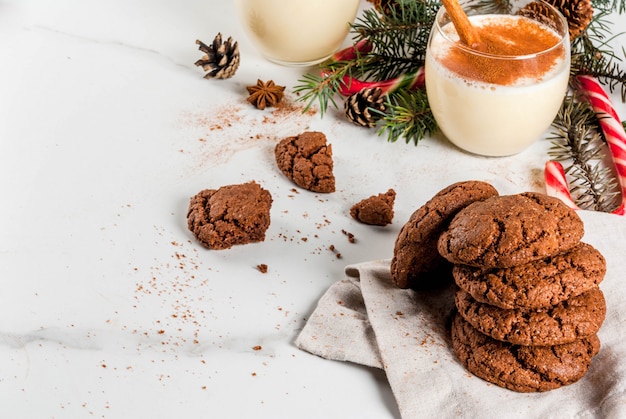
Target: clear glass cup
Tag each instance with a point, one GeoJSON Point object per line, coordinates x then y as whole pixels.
{"type": "Point", "coordinates": [297, 32]}
{"type": "Point", "coordinates": [500, 103]}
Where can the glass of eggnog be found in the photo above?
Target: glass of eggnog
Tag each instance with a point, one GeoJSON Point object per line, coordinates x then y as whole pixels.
{"type": "Point", "coordinates": [297, 32]}
{"type": "Point", "coordinates": [500, 96]}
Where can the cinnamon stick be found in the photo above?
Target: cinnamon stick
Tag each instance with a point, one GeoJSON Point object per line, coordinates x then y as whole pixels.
{"type": "Point", "coordinates": [467, 32]}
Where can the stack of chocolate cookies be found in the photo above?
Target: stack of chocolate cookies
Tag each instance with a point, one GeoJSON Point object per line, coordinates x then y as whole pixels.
{"type": "Point", "coordinates": [528, 302]}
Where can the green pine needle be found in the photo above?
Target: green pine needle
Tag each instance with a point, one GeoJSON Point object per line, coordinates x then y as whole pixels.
{"type": "Point", "coordinates": [408, 116]}
{"type": "Point", "coordinates": [578, 144]}
{"type": "Point", "coordinates": [316, 88]}
{"type": "Point", "coordinates": [593, 55]}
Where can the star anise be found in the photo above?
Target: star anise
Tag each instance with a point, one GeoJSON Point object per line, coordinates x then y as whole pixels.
{"type": "Point", "coordinates": [265, 94]}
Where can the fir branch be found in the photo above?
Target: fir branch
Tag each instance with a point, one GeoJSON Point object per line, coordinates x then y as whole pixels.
{"type": "Point", "coordinates": [398, 48]}
{"type": "Point", "coordinates": [399, 41]}
{"type": "Point", "coordinates": [592, 54]}
{"type": "Point", "coordinates": [488, 6]}
{"type": "Point", "coordinates": [578, 141]}
{"type": "Point", "coordinates": [408, 115]}
{"type": "Point", "coordinates": [322, 89]}
{"type": "Point", "coordinates": [618, 6]}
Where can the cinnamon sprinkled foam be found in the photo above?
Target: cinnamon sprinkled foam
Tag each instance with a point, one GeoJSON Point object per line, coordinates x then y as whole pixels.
{"type": "Point", "coordinates": [505, 37]}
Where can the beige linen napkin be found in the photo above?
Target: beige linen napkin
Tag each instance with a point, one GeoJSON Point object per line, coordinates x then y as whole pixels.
{"type": "Point", "coordinates": [365, 319]}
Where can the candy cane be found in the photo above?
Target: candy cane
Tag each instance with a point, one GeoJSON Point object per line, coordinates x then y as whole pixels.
{"type": "Point", "coordinates": [611, 127]}
{"type": "Point", "coordinates": [351, 85]}
{"type": "Point", "coordinates": [556, 183]}
{"type": "Point", "coordinates": [410, 81]}
{"type": "Point", "coordinates": [350, 53]}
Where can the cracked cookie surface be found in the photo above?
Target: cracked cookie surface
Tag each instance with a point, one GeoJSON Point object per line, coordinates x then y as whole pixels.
{"type": "Point", "coordinates": [415, 258]}
{"type": "Point", "coordinates": [307, 161]}
{"type": "Point", "coordinates": [536, 284]}
{"type": "Point", "coordinates": [572, 319]}
{"type": "Point", "coordinates": [510, 230]}
{"type": "Point", "coordinates": [521, 368]}
{"type": "Point", "coordinates": [233, 214]}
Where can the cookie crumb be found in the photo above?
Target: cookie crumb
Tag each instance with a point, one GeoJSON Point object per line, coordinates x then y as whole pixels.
{"type": "Point", "coordinates": [333, 249]}
{"type": "Point", "coordinates": [375, 210]}
{"type": "Point", "coordinates": [350, 236]}
{"type": "Point", "coordinates": [262, 267]}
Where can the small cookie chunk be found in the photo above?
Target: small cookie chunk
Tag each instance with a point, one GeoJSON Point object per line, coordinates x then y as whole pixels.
{"type": "Point", "coordinates": [510, 230]}
{"type": "Point", "coordinates": [572, 319]}
{"type": "Point", "coordinates": [375, 210]}
{"type": "Point", "coordinates": [308, 161]}
{"type": "Point", "coordinates": [522, 368]}
{"type": "Point", "coordinates": [415, 257]}
{"type": "Point", "coordinates": [542, 283]}
{"type": "Point", "coordinates": [230, 215]}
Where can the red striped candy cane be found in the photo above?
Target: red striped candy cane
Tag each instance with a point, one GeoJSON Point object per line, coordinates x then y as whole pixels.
{"type": "Point", "coordinates": [612, 128]}
{"type": "Point", "coordinates": [410, 81]}
{"type": "Point", "coordinates": [556, 183]}
{"type": "Point", "coordinates": [351, 85]}
{"type": "Point", "coordinates": [352, 52]}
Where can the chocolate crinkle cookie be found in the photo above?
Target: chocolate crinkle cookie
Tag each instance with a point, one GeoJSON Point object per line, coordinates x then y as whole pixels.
{"type": "Point", "coordinates": [307, 160]}
{"type": "Point", "coordinates": [230, 215]}
{"type": "Point", "coordinates": [416, 262]}
{"type": "Point", "coordinates": [541, 283]}
{"type": "Point", "coordinates": [528, 304]}
{"type": "Point", "coordinates": [510, 230]}
{"type": "Point", "coordinates": [522, 368]}
{"type": "Point", "coordinates": [375, 210]}
{"type": "Point", "coordinates": [572, 319]}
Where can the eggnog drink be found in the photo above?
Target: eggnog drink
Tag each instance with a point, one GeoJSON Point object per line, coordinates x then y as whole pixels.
{"type": "Point", "coordinates": [499, 100]}
{"type": "Point", "coordinates": [297, 32]}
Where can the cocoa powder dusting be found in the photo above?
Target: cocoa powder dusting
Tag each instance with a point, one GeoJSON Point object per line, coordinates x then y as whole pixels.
{"type": "Point", "coordinates": [514, 38]}
{"type": "Point", "coordinates": [230, 127]}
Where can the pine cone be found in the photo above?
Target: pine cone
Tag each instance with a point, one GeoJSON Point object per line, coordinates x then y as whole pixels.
{"type": "Point", "coordinates": [386, 7]}
{"type": "Point", "coordinates": [358, 106]}
{"type": "Point", "coordinates": [221, 59]}
{"type": "Point", "coordinates": [541, 13]}
{"type": "Point", "coordinates": [578, 13]}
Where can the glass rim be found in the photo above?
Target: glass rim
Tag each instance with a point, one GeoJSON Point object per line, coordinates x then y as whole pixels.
{"type": "Point", "coordinates": [563, 38]}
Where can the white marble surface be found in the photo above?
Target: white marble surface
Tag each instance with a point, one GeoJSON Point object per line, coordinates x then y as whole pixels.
{"type": "Point", "coordinates": [109, 307]}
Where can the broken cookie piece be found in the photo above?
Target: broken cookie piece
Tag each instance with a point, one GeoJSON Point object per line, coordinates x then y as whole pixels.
{"type": "Point", "coordinates": [230, 215]}
{"type": "Point", "coordinates": [375, 210]}
{"type": "Point", "coordinates": [307, 160]}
